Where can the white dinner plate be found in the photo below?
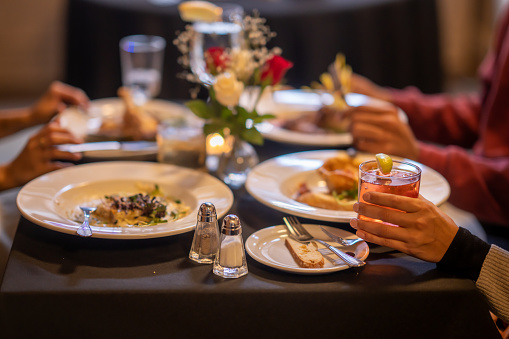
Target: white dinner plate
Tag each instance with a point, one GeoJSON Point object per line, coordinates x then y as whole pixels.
{"type": "Point", "coordinates": [87, 125]}
{"type": "Point", "coordinates": [275, 182]}
{"type": "Point", "coordinates": [267, 246]}
{"type": "Point", "coordinates": [289, 104]}
{"type": "Point", "coordinates": [48, 199]}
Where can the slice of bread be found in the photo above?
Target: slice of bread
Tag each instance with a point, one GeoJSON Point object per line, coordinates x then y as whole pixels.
{"type": "Point", "coordinates": [306, 256]}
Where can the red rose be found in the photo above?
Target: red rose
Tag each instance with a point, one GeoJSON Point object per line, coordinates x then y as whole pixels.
{"type": "Point", "coordinates": [275, 69]}
{"type": "Point", "coordinates": [216, 59]}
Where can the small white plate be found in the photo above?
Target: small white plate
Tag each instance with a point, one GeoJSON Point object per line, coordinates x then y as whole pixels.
{"type": "Point", "coordinates": [48, 200]}
{"type": "Point", "coordinates": [275, 182]}
{"type": "Point", "coordinates": [112, 109]}
{"type": "Point", "coordinates": [267, 246]}
{"type": "Point", "coordinates": [289, 104]}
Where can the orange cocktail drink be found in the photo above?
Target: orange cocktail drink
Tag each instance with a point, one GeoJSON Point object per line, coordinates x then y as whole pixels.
{"type": "Point", "coordinates": [404, 179]}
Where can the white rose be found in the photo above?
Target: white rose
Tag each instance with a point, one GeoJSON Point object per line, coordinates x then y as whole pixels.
{"type": "Point", "coordinates": [242, 63]}
{"type": "Point", "coordinates": [228, 89]}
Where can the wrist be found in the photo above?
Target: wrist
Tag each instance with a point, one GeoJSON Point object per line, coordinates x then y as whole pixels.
{"type": "Point", "coordinates": [465, 255]}
{"type": "Point", "coordinates": [6, 181]}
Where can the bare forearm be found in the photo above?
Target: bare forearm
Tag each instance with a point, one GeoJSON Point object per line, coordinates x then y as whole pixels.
{"type": "Point", "coordinates": [14, 120]}
{"type": "Point", "coordinates": [6, 180]}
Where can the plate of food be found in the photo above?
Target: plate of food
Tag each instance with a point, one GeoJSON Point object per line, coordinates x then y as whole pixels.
{"type": "Point", "coordinates": [118, 119]}
{"type": "Point", "coordinates": [305, 117]}
{"type": "Point", "coordinates": [273, 247]}
{"type": "Point", "coordinates": [134, 200]}
{"type": "Point", "coordinates": [322, 185]}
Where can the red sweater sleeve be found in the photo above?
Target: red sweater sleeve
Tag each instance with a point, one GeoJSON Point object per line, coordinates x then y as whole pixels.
{"type": "Point", "coordinates": [478, 184]}
{"type": "Point", "coordinates": [440, 118]}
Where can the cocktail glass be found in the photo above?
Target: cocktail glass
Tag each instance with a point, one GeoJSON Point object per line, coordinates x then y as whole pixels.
{"type": "Point", "coordinates": [404, 179]}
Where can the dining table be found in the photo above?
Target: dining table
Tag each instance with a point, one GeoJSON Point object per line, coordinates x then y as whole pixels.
{"type": "Point", "coordinates": [62, 285]}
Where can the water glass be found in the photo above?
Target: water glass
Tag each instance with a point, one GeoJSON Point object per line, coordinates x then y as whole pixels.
{"type": "Point", "coordinates": [141, 59]}
{"type": "Point", "coordinates": [225, 34]}
{"type": "Point", "coordinates": [181, 146]}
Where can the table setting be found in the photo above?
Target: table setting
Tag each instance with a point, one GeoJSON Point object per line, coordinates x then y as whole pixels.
{"type": "Point", "coordinates": [179, 208]}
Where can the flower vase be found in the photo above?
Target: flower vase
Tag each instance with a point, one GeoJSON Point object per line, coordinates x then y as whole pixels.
{"type": "Point", "coordinates": [235, 165]}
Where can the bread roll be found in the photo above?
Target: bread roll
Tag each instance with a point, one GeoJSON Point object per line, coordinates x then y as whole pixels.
{"type": "Point", "coordinates": [306, 256]}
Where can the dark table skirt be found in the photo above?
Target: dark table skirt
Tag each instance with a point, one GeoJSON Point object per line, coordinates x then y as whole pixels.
{"type": "Point", "coordinates": [59, 285]}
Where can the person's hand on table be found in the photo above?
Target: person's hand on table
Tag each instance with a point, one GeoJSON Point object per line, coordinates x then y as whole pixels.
{"type": "Point", "coordinates": [378, 129]}
{"type": "Point", "coordinates": [424, 230]}
{"type": "Point", "coordinates": [56, 99]}
{"type": "Point", "coordinates": [40, 156]}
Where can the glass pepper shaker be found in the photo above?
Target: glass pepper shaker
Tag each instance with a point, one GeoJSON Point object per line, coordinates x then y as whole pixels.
{"type": "Point", "coordinates": [230, 261]}
{"type": "Point", "coordinates": [206, 235]}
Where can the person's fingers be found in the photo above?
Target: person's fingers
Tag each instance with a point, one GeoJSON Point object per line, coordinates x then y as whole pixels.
{"type": "Point", "coordinates": [400, 202]}
{"type": "Point", "coordinates": [69, 94]}
{"type": "Point", "coordinates": [372, 109]}
{"type": "Point", "coordinates": [369, 237]}
{"type": "Point", "coordinates": [370, 131]}
{"type": "Point", "coordinates": [56, 154]}
{"type": "Point", "coordinates": [382, 230]}
{"type": "Point", "coordinates": [392, 216]}
{"type": "Point", "coordinates": [54, 134]}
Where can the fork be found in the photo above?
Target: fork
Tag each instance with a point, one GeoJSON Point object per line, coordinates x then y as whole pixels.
{"type": "Point", "coordinates": [339, 240]}
{"type": "Point", "coordinates": [300, 234]}
{"type": "Point", "coordinates": [84, 230]}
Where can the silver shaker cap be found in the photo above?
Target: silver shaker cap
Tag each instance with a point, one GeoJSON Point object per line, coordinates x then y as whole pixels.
{"type": "Point", "coordinates": [207, 212]}
{"type": "Point", "coordinates": [231, 225]}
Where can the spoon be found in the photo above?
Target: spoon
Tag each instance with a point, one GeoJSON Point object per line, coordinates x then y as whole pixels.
{"type": "Point", "coordinates": [84, 230]}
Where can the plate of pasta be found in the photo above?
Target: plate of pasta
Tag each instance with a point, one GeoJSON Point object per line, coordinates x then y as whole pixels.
{"type": "Point", "coordinates": [133, 200]}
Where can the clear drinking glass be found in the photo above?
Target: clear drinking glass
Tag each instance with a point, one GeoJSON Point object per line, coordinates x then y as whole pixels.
{"type": "Point", "coordinates": [141, 59]}
{"type": "Point", "coordinates": [181, 146]}
{"type": "Point", "coordinates": [404, 179]}
{"type": "Point", "coordinates": [226, 34]}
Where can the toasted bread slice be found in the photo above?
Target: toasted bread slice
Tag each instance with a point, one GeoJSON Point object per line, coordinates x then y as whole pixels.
{"type": "Point", "coordinates": [306, 256]}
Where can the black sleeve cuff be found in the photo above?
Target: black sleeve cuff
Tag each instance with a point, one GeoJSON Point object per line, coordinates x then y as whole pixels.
{"type": "Point", "coordinates": [465, 255]}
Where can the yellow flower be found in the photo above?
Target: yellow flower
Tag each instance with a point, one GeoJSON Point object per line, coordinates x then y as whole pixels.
{"type": "Point", "coordinates": [228, 89]}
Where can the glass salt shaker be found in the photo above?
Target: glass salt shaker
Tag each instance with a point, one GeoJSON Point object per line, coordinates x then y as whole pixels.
{"type": "Point", "coordinates": [206, 235]}
{"type": "Point", "coordinates": [230, 261]}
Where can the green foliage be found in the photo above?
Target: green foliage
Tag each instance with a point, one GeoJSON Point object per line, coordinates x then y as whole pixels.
{"type": "Point", "coordinates": [350, 194]}
{"type": "Point", "coordinates": [218, 118]}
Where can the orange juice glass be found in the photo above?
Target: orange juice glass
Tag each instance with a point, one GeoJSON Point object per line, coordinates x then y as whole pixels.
{"type": "Point", "coordinates": [404, 179]}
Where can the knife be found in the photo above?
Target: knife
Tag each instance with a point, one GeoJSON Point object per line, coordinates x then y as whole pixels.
{"type": "Point", "coordinates": [130, 146]}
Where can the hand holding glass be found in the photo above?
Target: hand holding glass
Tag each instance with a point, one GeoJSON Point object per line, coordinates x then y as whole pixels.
{"type": "Point", "coordinates": [404, 179]}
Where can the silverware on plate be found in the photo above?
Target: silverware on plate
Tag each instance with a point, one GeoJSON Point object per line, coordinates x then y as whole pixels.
{"type": "Point", "coordinates": [339, 240]}
{"type": "Point", "coordinates": [84, 230]}
{"type": "Point", "coordinates": [299, 233]}
{"type": "Point", "coordinates": [131, 146]}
